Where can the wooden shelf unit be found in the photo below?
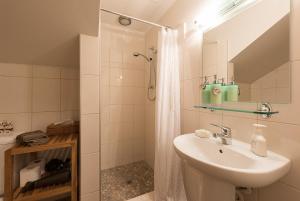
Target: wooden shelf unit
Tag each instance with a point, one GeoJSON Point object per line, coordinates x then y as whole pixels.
{"type": "Point", "coordinates": [55, 142]}
{"type": "Point", "coordinates": [42, 193]}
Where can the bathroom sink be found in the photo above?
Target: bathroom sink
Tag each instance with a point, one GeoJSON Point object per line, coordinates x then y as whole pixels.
{"type": "Point", "coordinates": [234, 163]}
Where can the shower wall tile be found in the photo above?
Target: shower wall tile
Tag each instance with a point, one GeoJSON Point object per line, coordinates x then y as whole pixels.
{"type": "Point", "coordinates": [90, 173]}
{"type": "Point", "coordinates": [139, 78]}
{"type": "Point", "coordinates": [138, 150]}
{"type": "Point", "coordinates": [89, 55]}
{"type": "Point", "coordinates": [122, 97]}
{"type": "Point", "coordinates": [115, 95]}
{"type": "Point", "coordinates": [121, 113]}
{"type": "Point", "coordinates": [139, 95]}
{"type": "Point", "coordinates": [105, 54]}
{"type": "Point", "coordinates": [89, 97]}
{"type": "Point", "coordinates": [90, 128]}
{"type": "Point", "coordinates": [91, 196]}
{"type": "Point", "coordinates": [116, 56]}
{"type": "Point", "coordinates": [116, 77]}
{"type": "Point", "coordinates": [139, 122]}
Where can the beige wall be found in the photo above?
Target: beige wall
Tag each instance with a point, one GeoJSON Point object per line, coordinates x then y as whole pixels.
{"type": "Point", "coordinates": [35, 96]}
{"type": "Point", "coordinates": [123, 96]}
{"type": "Point", "coordinates": [283, 132]}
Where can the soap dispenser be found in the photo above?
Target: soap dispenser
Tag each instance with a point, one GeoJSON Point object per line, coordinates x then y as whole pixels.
{"type": "Point", "coordinates": [206, 87]}
{"type": "Point", "coordinates": [233, 92]}
{"type": "Point", "coordinates": [224, 90]}
{"type": "Point", "coordinates": [258, 142]}
{"type": "Point", "coordinates": [216, 92]}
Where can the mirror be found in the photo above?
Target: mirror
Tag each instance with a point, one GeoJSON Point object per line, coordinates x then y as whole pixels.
{"type": "Point", "coordinates": [251, 51]}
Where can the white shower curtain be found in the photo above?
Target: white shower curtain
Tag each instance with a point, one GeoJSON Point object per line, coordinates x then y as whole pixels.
{"type": "Point", "coordinates": [167, 174]}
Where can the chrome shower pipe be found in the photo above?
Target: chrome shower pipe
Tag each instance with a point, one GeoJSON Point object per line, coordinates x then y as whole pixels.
{"type": "Point", "coordinates": [136, 19]}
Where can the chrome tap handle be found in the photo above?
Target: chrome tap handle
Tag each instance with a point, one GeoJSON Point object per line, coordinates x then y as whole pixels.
{"type": "Point", "coordinates": [225, 130]}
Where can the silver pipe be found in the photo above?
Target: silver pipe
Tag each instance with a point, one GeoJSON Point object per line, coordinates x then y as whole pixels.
{"type": "Point", "coordinates": [137, 19]}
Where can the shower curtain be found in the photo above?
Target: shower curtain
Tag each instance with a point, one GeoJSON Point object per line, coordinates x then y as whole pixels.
{"type": "Point", "coordinates": [167, 174]}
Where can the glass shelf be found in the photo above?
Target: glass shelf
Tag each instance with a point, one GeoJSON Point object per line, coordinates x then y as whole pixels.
{"type": "Point", "coordinates": [260, 112]}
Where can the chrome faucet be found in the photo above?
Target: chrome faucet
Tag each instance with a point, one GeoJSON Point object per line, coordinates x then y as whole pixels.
{"type": "Point", "coordinates": [225, 134]}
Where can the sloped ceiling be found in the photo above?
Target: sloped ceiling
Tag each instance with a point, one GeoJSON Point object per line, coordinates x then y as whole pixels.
{"type": "Point", "coordinates": [265, 54]}
{"type": "Point", "coordinates": [151, 10]}
{"type": "Point", "coordinates": [45, 32]}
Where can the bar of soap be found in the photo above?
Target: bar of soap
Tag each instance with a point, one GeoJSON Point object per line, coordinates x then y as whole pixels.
{"type": "Point", "coordinates": [203, 133]}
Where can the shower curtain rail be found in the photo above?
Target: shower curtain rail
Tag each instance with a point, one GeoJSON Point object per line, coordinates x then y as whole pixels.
{"type": "Point", "coordinates": [136, 19]}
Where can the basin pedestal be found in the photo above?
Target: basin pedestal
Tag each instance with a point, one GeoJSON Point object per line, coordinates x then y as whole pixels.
{"type": "Point", "coordinates": [202, 187]}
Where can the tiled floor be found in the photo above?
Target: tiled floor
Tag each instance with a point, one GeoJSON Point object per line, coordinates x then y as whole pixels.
{"type": "Point", "coordinates": [145, 197]}
{"type": "Point", "coordinates": [126, 182]}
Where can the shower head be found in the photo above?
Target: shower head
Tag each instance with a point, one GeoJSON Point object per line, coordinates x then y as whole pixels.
{"type": "Point", "coordinates": [136, 54]}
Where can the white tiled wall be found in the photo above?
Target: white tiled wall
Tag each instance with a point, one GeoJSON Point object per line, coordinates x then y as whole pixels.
{"type": "Point", "coordinates": [35, 96]}
{"type": "Point", "coordinates": [122, 96]}
{"type": "Point", "coordinates": [90, 118]}
{"type": "Point", "coordinates": [283, 132]}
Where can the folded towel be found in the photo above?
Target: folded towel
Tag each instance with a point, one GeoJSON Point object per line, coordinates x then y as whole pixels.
{"type": "Point", "coordinates": [32, 138]}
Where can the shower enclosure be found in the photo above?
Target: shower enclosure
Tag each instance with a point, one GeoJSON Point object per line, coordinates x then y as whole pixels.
{"type": "Point", "coordinates": [128, 82]}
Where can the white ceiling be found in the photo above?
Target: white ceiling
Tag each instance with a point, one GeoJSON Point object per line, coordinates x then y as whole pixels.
{"type": "Point", "coordinates": [151, 10]}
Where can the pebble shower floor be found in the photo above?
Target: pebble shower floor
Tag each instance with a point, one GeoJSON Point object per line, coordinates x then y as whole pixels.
{"type": "Point", "coordinates": [127, 181]}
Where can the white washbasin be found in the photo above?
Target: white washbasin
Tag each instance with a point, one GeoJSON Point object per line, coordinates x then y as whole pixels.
{"type": "Point", "coordinates": [234, 163]}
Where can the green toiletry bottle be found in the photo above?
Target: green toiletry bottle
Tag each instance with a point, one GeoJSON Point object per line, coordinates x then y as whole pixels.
{"type": "Point", "coordinates": [224, 90]}
{"type": "Point", "coordinates": [206, 92]}
{"type": "Point", "coordinates": [216, 92]}
{"type": "Point", "coordinates": [233, 92]}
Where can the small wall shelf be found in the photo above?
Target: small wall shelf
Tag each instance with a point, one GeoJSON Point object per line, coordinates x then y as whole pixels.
{"type": "Point", "coordinates": [265, 109]}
